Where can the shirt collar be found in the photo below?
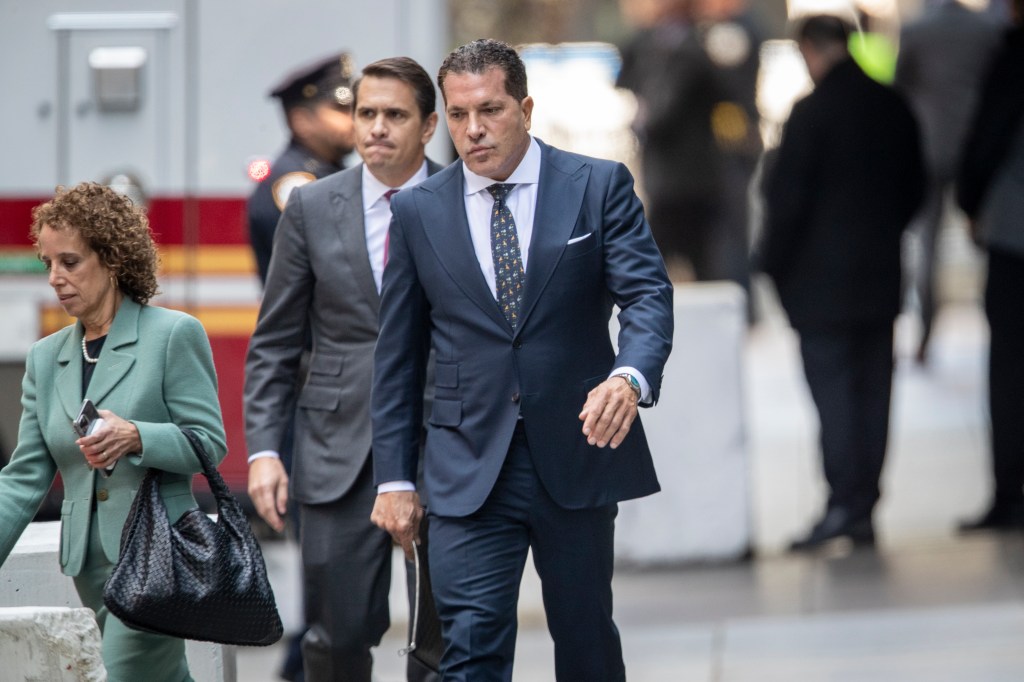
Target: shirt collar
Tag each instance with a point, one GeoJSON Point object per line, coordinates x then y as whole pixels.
{"type": "Point", "coordinates": [526, 173]}
{"type": "Point", "coordinates": [374, 189]}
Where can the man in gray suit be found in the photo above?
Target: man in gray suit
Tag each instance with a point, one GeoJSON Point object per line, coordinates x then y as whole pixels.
{"type": "Point", "coordinates": [942, 60]}
{"type": "Point", "coordinates": [324, 280]}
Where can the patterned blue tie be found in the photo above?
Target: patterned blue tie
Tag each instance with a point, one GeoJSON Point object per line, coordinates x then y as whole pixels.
{"type": "Point", "coordinates": [508, 262]}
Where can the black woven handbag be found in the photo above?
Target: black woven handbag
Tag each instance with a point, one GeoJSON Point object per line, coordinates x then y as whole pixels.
{"type": "Point", "coordinates": [198, 579]}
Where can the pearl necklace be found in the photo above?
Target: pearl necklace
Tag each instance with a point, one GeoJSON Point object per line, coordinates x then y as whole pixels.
{"type": "Point", "coordinates": [85, 353]}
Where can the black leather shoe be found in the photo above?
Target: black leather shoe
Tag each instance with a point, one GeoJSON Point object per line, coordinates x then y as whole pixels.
{"type": "Point", "coordinates": [838, 523]}
{"type": "Point", "coordinates": [999, 517]}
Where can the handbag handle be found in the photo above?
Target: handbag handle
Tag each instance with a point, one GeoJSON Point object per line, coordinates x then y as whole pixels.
{"type": "Point", "coordinates": [218, 487]}
{"type": "Point", "coordinates": [416, 611]}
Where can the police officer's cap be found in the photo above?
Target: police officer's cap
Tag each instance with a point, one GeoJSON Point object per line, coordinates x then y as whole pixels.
{"type": "Point", "coordinates": [327, 80]}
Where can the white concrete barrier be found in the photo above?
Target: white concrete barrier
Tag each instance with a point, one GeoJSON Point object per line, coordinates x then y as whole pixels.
{"type": "Point", "coordinates": [21, 328]}
{"type": "Point", "coordinates": [697, 433]}
{"type": "Point", "coordinates": [50, 643]}
{"type": "Point", "coordinates": [31, 577]}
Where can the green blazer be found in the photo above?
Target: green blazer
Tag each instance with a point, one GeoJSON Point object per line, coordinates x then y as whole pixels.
{"type": "Point", "coordinates": [155, 370]}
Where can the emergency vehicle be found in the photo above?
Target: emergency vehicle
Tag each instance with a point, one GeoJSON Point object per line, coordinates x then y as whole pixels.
{"type": "Point", "coordinates": [167, 100]}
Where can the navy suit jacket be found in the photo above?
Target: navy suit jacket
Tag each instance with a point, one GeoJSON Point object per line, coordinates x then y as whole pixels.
{"type": "Point", "coordinates": [435, 296]}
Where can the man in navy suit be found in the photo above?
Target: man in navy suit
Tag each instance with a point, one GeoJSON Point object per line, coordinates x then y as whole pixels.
{"type": "Point", "coordinates": [507, 264]}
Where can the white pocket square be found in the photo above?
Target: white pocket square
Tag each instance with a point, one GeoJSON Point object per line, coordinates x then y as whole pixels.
{"type": "Point", "coordinates": [578, 239]}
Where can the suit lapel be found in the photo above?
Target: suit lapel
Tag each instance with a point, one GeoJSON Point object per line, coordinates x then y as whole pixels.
{"type": "Point", "coordinates": [69, 376]}
{"type": "Point", "coordinates": [448, 233]}
{"type": "Point", "coordinates": [117, 356]}
{"type": "Point", "coordinates": [562, 184]}
{"type": "Point", "coordinates": [347, 201]}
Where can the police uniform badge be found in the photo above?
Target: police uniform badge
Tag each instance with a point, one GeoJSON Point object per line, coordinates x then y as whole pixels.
{"type": "Point", "coordinates": [284, 185]}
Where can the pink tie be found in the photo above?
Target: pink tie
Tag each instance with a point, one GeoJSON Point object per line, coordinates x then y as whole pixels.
{"type": "Point", "coordinates": [387, 235]}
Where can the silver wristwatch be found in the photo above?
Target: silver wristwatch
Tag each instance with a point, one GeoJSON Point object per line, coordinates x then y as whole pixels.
{"type": "Point", "coordinates": [633, 383]}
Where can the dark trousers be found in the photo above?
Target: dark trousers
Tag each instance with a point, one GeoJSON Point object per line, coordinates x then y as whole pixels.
{"type": "Point", "coordinates": [346, 564]}
{"type": "Point", "coordinates": [849, 373]}
{"type": "Point", "coordinates": [477, 564]}
{"type": "Point", "coordinates": [926, 227]}
{"type": "Point", "coordinates": [1004, 307]}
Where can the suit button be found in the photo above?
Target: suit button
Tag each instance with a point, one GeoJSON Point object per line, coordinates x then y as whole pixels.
{"type": "Point", "coordinates": [515, 397]}
{"type": "Point", "coordinates": [102, 495]}
{"type": "Point", "coordinates": [517, 344]}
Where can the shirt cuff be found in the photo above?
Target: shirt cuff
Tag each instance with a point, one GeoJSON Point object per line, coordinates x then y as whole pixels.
{"type": "Point", "coordinates": [645, 388]}
{"type": "Point", "coordinates": [396, 487]}
{"type": "Point", "coordinates": [263, 453]}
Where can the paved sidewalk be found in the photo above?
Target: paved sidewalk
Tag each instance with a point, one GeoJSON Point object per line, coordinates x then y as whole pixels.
{"type": "Point", "coordinates": [928, 605]}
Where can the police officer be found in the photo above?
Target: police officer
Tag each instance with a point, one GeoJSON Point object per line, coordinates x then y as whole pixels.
{"type": "Point", "coordinates": [317, 102]}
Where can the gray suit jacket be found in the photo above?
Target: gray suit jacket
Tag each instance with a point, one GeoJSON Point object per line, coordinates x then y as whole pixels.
{"type": "Point", "coordinates": [942, 60]}
{"type": "Point", "coordinates": [319, 287]}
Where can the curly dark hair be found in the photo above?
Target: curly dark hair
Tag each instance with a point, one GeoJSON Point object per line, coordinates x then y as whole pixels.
{"type": "Point", "coordinates": [112, 226]}
{"type": "Point", "coordinates": [481, 55]}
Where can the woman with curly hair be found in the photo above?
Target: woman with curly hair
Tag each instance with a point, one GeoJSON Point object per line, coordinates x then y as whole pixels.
{"type": "Point", "coordinates": [148, 370]}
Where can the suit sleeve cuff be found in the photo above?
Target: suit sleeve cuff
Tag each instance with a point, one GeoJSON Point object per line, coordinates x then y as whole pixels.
{"type": "Point", "coordinates": [645, 388]}
{"type": "Point", "coordinates": [263, 453]}
{"type": "Point", "coordinates": [396, 487]}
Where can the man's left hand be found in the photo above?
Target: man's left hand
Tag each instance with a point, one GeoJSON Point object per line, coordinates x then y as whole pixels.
{"type": "Point", "coordinates": [609, 412]}
{"type": "Point", "coordinates": [399, 513]}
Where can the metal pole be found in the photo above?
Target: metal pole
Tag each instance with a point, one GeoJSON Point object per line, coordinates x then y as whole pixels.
{"type": "Point", "coordinates": [191, 227]}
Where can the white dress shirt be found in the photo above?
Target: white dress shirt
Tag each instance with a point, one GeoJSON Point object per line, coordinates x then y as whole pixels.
{"type": "Point", "coordinates": [522, 201]}
{"type": "Point", "coordinates": [377, 216]}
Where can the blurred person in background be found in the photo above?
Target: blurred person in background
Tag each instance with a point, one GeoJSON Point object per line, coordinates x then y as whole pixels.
{"type": "Point", "coordinates": [323, 283]}
{"type": "Point", "coordinates": [845, 182]}
{"type": "Point", "coordinates": [150, 373]}
{"type": "Point", "coordinates": [317, 103]}
{"type": "Point", "coordinates": [943, 57]}
{"type": "Point", "coordinates": [693, 68]}
{"type": "Point", "coordinates": [872, 46]}
{"type": "Point", "coordinates": [990, 189]}
{"type": "Point", "coordinates": [732, 40]}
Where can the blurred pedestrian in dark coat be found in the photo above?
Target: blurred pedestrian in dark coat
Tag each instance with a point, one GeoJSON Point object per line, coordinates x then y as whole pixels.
{"type": "Point", "coordinates": [847, 178]}
{"type": "Point", "coordinates": [942, 60]}
{"type": "Point", "coordinates": [990, 189]}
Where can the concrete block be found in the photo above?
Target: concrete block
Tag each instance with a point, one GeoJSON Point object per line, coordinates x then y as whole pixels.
{"type": "Point", "coordinates": [21, 328]}
{"type": "Point", "coordinates": [50, 644]}
{"type": "Point", "coordinates": [31, 577]}
{"type": "Point", "coordinates": [697, 433]}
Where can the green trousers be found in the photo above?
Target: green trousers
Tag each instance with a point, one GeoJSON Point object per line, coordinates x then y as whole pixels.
{"type": "Point", "coordinates": [128, 655]}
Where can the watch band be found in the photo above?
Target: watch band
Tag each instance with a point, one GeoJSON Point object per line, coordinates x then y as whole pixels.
{"type": "Point", "coordinates": [633, 383]}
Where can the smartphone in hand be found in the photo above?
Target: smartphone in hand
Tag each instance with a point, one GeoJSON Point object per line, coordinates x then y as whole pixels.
{"type": "Point", "coordinates": [88, 419]}
{"type": "Point", "coordinates": [86, 423]}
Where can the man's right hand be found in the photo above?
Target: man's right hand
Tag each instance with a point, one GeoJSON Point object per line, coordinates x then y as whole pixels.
{"type": "Point", "coordinates": [268, 490]}
{"type": "Point", "coordinates": [399, 513]}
